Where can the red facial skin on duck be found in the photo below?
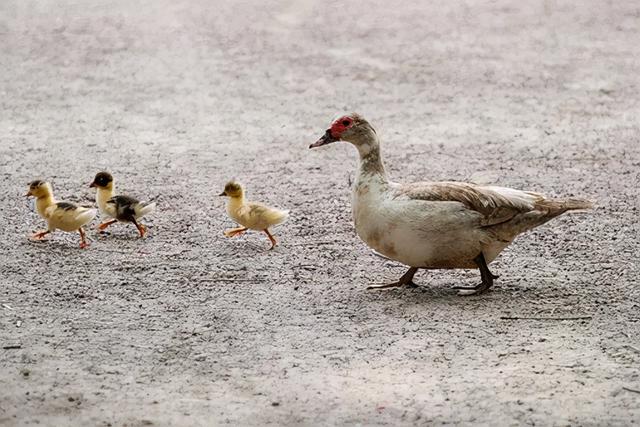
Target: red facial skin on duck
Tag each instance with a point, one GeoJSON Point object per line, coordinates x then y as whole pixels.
{"type": "Point", "coordinates": [340, 125]}
{"type": "Point", "coordinates": [334, 133]}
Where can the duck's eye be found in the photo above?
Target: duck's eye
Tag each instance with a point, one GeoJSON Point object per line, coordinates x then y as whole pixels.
{"type": "Point", "coordinates": [346, 123]}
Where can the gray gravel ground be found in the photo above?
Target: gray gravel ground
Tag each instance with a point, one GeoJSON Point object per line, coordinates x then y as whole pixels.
{"type": "Point", "coordinates": [190, 328]}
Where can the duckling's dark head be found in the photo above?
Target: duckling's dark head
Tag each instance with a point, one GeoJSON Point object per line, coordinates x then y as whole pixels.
{"type": "Point", "coordinates": [232, 189]}
{"type": "Point", "coordinates": [35, 184]}
{"type": "Point", "coordinates": [102, 180]}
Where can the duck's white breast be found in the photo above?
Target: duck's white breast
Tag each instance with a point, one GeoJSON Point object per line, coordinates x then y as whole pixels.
{"type": "Point", "coordinates": [416, 233]}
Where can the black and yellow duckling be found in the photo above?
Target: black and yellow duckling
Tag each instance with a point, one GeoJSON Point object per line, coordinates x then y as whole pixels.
{"type": "Point", "coordinates": [250, 215]}
{"type": "Point", "coordinates": [119, 207]}
{"type": "Point", "coordinates": [63, 216]}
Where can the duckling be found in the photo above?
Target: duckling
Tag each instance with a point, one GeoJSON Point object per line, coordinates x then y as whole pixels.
{"type": "Point", "coordinates": [250, 215]}
{"type": "Point", "coordinates": [59, 215]}
{"type": "Point", "coordinates": [118, 207]}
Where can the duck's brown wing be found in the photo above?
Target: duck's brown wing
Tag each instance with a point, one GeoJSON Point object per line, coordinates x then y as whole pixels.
{"type": "Point", "coordinates": [505, 212]}
{"type": "Point", "coordinates": [495, 204]}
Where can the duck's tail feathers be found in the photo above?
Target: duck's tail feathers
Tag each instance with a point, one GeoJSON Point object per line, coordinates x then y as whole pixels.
{"type": "Point", "coordinates": [560, 206]}
{"type": "Point", "coordinates": [145, 209]}
{"type": "Point", "coordinates": [577, 204]}
{"type": "Point", "coordinates": [544, 210]}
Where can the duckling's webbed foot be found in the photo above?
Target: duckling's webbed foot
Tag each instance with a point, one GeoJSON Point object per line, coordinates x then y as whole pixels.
{"type": "Point", "coordinates": [40, 235]}
{"type": "Point", "coordinates": [405, 280]}
{"type": "Point", "coordinates": [235, 231]}
{"type": "Point", "coordinates": [485, 274]}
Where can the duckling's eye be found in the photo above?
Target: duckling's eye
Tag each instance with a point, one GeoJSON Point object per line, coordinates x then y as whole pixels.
{"type": "Point", "coordinates": [346, 123]}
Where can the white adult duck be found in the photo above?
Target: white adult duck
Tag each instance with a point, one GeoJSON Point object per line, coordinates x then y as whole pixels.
{"type": "Point", "coordinates": [436, 225]}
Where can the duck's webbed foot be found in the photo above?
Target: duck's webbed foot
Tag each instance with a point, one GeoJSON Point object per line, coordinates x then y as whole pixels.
{"type": "Point", "coordinates": [485, 274]}
{"type": "Point", "coordinates": [406, 280]}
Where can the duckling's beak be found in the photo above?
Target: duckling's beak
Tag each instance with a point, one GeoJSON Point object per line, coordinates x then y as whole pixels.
{"type": "Point", "coordinates": [224, 193]}
{"type": "Point", "coordinates": [327, 138]}
{"type": "Point", "coordinates": [92, 185]}
{"type": "Point", "coordinates": [28, 194]}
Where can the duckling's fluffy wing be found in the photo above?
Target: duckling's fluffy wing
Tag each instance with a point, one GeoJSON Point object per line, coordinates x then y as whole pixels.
{"type": "Point", "coordinates": [124, 208]}
{"type": "Point", "coordinates": [258, 216]}
{"type": "Point", "coordinates": [68, 216]}
{"type": "Point", "coordinates": [127, 208]}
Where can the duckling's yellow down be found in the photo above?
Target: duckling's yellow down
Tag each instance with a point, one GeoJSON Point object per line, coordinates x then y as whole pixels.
{"type": "Point", "coordinates": [250, 215]}
{"type": "Point", "coordinates": [254, 216]}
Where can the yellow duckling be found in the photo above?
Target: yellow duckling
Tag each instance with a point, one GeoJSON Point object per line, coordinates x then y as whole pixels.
{"type": "Point", "coordinates": [250, 215]}
{"type": "Point", "coordinates": [59, 215]}
{"type": "Point", "coordinates": [120, 208]}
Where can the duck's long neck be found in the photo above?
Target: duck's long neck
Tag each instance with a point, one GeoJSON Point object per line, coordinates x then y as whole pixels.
{"type": "Point", "coordinates": [42, 203]}
{"type": "Point", "coordinates": [371, 166]}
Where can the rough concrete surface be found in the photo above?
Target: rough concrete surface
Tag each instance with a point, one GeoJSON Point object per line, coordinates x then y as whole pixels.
{"type": "Point", "coordinates": [190, 328]}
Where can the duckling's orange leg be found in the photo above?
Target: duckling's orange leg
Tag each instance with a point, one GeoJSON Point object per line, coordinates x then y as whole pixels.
{"type": "Point", "coordinates": [273, 239]}
{"type": "Point", "coordinates": [405, 280]}
{"type": "Point", "coordinates": [105, 224]}
{"type": "Point", "coordinates": [235, 231]}
{"type": "Point", "coordinates": [83, 239]}
{"type": "Point", "coordinates": [141, 228]}
{"type": "Point", "coordinates": [40, 235]}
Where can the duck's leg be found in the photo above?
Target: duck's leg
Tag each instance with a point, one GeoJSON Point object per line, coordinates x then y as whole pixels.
{"type": "Point", "coordinates": [83, 239]}
{"type": "Point", "coordinates": [40, 235]}
{"type": "Point", "coordinates": [405, 280]}
{"type": "Point", "coordinates": [235, 231]}
{"type": "Point", "coordinates": [141, 228]}
{"type": "Point", "coordinates": [273, 239]}
{"type": "Point", "coordinates": [485, 274]}
{"type": "Point", "coordinates": [105, 224]}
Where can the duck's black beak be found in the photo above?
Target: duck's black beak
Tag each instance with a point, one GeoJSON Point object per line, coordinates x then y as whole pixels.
{"type": "Point", "coordinates": [93, 184]}
{"type": "Point", "coordinates": [224, 193]}
{"type": "Point", "coordinates": [327, 138]}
